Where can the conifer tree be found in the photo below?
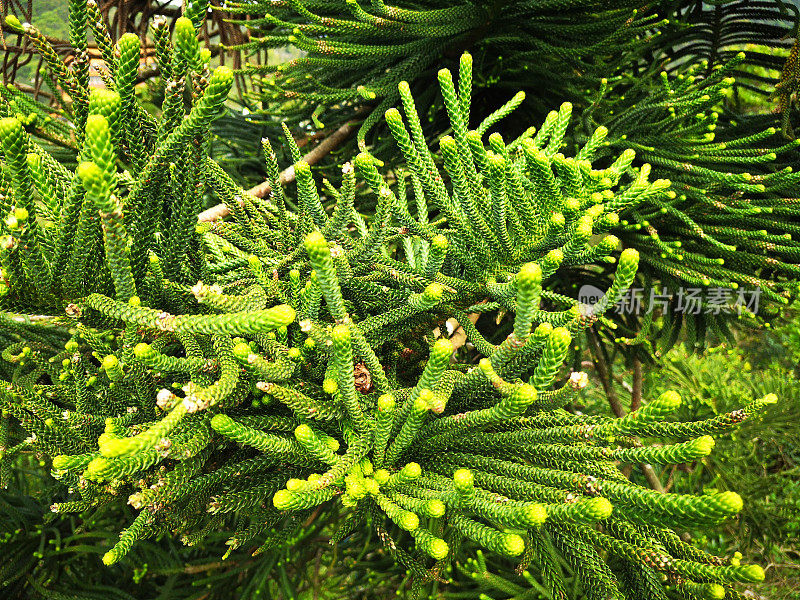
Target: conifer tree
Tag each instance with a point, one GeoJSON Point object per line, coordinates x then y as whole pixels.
{"type": "Point", "coordinates": [296, 357]}
{"type": "Point", "coordinates": [654, 78]}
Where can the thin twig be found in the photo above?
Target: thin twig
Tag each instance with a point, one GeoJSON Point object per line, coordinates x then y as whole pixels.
{"type": "Point", "coordinates": [636, 385]}
{"type": "Point", "coordinates": [194, 569]}
{"type": "Point", "coordinates": [652, 477]}
{"type": "Point", "coordinates": [606, 379]}
{"type": "Point", "coordinates": [604, 373]}
{"type": "Point", "coordinates": [220, 211]}
{"type": "Point", "coordinates": [29, 89]}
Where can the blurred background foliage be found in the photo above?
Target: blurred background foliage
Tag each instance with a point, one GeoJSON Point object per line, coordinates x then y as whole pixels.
{"type": "Point", "coordinates": [761, 460]}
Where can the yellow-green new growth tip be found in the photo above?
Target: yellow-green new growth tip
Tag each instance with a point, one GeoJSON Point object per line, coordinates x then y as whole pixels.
{"type": "Point", "coordinates": [434, 508]}
{"type": "Point", "coordinates": [598, 508]}
{"type": "Point", "coordinates": [112, 367]}
{"type": "Point", "coordinates": [283, 499]}
{"type": "Point", "coordinates": [141, 350]}
{"type": "Point", "coordinates": [186, 42]}
{"type": "Point", "coordinates": [533, 515]}
{"type": "Point", "coordinates": [512, 544]}
{"type": "Point", "coordinates": [428, 298]}
{"type": "Point", "coordinates": [320, 255]}
{"type": "Point", "coordinates": [770, 399]}
{"type": "Point", "coordinates": [220, 83]}
{"type": "Point", "coordinates": [666, 403]}
{"type": "Point", "coordinates": [13, 22]}
{"type": "Point", "coordinates": [629, 258]}
{"type": "Point", "coordinates": [303, 433]}
{"type": "Point", "coordinates": [730, 503]}
{"type": "Point", "coordinates": [386, 403]}
{"type": "Point", "coordinates": [438, 549]}
{"type": "Point", "coordinates": [103, 154]}
{"type": "Point", "coordinates": [411, 471]}
{"type": "Point", "coordinates": [529, 288]}
{"type": "Point", "coordinates": [463, 480]}
{"type": "Point", "coordinates": [752, 573]}
{"type": "Point", "coordinates": [105, 102]}
{"type": "Point", "coordinates": [11, 131]}
{"type": "Point", "coordinates": [552, 358]}
{"type": "Point", "coordinates": [302, 498]}
{"type": "Point", "coordinates": [92, 178]}
{"type": "Point", "coordinates": [703, 445]}
{"type": "Point", "coordinates": [96, 125]}
{"type": "Point", "coordinates": [242, 350]}
{"type": "Point", "coordinates": [408, 521]}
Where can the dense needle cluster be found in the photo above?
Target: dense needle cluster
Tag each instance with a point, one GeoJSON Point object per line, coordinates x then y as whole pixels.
{"type": "Point", "coordinates": [658, 78]}
{"type": "Point", "coordinates": [301, 356]}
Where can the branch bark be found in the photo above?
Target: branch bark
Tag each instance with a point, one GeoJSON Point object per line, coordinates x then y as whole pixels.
{"type": "Point", "coordinates": [331, 142]}
{"type": "Point", "coordinates": [606, 379]}
{"type": "Point", "coordinates": [636, 384]}
{"type": "Point", "coordinates": [604, 372]}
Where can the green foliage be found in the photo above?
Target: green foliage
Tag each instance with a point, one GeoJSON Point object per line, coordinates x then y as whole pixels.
{"type": "Point", "coordinates": [759, 460]}
{"type": "Point", "coordinates": [472, 440]}
{"type": "Point", "coordinates": [355, 53]}
{"type": "Point", "coordinates": [653, 79]}
{"type": "Point", "coordinates": [766, 447]}
{"type": "Point", "coordinates": [295, 369]}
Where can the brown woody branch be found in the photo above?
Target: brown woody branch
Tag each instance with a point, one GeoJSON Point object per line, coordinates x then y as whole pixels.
{"type": "Point", "coordinates": [328, 144]}
{"type": "Point", "coordinates": [603, 369]}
